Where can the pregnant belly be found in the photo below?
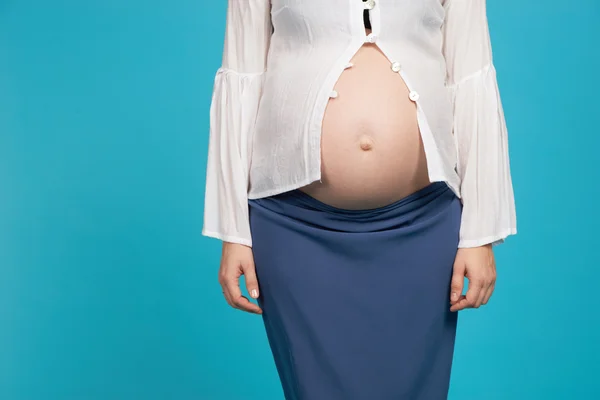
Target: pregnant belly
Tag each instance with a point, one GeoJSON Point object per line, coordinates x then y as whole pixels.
{"type": "Point", "coordinates": [371, 148]}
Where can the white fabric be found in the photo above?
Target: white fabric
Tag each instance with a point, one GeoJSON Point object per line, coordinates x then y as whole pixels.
{"type": "Point", "coordinates": [271, 92]}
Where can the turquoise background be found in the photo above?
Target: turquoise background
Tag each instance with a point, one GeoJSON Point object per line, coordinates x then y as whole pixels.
{"type": "Point", "coordinates": [107, 289]}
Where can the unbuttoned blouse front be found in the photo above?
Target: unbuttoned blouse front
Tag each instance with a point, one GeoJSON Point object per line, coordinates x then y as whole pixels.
{"type": "Point", "coordinates": [281, 61]}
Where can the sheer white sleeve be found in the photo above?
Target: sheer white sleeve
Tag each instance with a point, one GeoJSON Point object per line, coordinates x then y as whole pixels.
{"type": "Point", "coordinates": [479, 126]}
{"type": "Point", "coordinates": [236, 95]}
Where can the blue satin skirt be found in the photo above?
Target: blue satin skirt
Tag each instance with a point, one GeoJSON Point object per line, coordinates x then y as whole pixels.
{"type": "Point", "coordinates": [356, 303]}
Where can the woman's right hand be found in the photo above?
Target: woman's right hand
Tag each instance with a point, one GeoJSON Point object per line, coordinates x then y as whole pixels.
{"type": "Point", "coordinates": [237, 259]}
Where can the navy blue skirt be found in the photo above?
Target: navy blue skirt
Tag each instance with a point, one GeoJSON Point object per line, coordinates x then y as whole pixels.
{"type": "Point", "coordinates": [356, 303]}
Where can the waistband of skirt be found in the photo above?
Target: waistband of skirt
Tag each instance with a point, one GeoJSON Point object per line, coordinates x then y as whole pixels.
{"type": "Point", "coordinates": [406, 204]}
{"type": "Point", "coordinates": [297, 210]}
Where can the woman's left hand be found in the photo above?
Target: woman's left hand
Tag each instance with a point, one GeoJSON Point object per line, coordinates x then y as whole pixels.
{"type": "Point", "coordinates": [479, 266]}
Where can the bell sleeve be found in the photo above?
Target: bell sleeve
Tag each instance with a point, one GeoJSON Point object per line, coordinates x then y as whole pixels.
{"type": "Point", "coordinates": [236, 94]}
{"type": "Point", "coordinates": [479, 126]}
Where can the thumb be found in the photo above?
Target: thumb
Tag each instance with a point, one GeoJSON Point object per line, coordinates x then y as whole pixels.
{"type": "Point", "coordinates": [251, 280]}
{"type": "Point", "coordinates": [458, 280]}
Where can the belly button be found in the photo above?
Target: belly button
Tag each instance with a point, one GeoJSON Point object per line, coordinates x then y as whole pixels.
{"type": "Point", "coordinates": [366, 143]}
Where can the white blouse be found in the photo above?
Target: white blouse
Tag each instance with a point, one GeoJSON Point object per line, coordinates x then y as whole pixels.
{"type": "Point", "coordinates": [281, 61]}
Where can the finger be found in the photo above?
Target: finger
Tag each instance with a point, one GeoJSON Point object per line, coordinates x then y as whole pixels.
{"type": "Point", "coordinates": [457, 283]}
{"type": "Point", "coordinates": [489, 293]}
{"type": "Point", "coordinates": [482, 293]}
{"type": "Point", "coordinates": [226, 295]}
{"type": "Point", "coordinates": [244, 304]}
{"type": "Point", "coordinates": [251, 280]}
{"type": "Point", "coordinates": [222, 280]}
{"type": "Point", "coordinates": [238, 301]}
{"type": "Point", "coordinates": [460, 304]}
{"type": "Point", "coordinates": [231, 289]}
{"type": "Point", "coordinates": [473, 293]}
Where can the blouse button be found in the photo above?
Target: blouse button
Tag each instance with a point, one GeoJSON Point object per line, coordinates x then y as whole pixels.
{"type": "Point", "coordinates": [414, 96]}
{"type": "Point", "coordinates": [395, 66]}
{"type": "Point", "coordinates": [333, 94]}
{"type": "Point", "coordinates": [371, 38]}
{"type": "Point", "coordinates": [369, 4]}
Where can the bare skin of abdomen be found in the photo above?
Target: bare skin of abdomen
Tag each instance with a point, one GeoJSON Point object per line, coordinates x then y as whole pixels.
{"type": "Point", "coordinates": [371, 149]}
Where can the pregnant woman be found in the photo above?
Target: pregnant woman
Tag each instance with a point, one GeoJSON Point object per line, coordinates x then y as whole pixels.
{"type": "Point", "coordinates": [358, 171]}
